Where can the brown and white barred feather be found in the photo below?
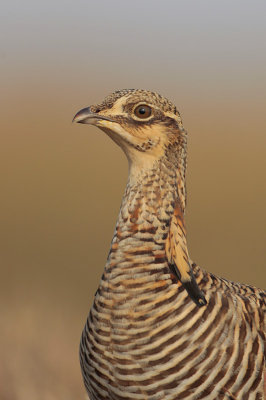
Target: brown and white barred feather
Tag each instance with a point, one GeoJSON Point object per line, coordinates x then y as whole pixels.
{"type": "Point", "coordinates": [146, 336]}
{"type": "Point", "coordinates": [146, 339]}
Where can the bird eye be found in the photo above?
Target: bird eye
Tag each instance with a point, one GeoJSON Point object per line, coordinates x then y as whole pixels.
{"type": "Point", "coordinates": [142, 111]}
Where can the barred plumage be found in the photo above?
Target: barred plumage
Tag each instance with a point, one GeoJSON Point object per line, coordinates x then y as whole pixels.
{"type": "Point", "coordinates": [160, 326]}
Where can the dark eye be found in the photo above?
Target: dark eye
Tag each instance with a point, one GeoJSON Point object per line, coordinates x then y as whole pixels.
{"type": "Point", "coordinates": [142, 111]}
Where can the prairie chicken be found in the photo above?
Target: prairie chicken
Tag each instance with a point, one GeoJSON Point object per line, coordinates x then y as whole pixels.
{"type": "Point", "coordinates": [161, 327]}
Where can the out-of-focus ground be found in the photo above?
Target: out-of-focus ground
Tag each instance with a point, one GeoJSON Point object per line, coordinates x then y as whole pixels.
{"type": "Point", "coordinates": [61, 184]}
{"type": "Point", "coordinates": [39, 352]}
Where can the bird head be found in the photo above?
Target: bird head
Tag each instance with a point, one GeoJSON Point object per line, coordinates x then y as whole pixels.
{"type": "Point", "coordinates": [144, 124]}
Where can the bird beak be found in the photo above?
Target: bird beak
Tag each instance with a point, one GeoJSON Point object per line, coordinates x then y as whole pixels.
{"type": "Point", "coordinates": [85, 116]}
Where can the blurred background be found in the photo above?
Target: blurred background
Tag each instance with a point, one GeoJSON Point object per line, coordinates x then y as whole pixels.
{"type": "Point", "coordinates": [61, 184]}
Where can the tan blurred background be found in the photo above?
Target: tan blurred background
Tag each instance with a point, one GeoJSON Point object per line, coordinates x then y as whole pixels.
{"type": "Point", "coordinates": [61, 184]}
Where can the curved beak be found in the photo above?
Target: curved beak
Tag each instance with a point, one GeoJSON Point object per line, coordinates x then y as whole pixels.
{"type": "Point", "coordinates": [85, 116]}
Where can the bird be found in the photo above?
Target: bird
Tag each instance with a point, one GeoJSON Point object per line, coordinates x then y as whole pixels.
{"type": "Point", "coordinates": [160, 326]}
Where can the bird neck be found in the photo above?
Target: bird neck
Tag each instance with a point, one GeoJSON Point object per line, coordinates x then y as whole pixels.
{"type": "Point", "coordinates": [154, 181]}
{"type": "Point", "coordinates": [150, 200]}
{"type": "Point", "coordinates": [150, 238]}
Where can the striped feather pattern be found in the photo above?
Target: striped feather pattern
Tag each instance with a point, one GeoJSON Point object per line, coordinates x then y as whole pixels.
{"type": "Point", "coordinates": [161, 327]}
{"type": "Point", "coordinates": [146, 339]}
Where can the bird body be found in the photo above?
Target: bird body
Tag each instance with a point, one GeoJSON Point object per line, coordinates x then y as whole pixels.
{"type": "Point", "coordinates": [161, 327]}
